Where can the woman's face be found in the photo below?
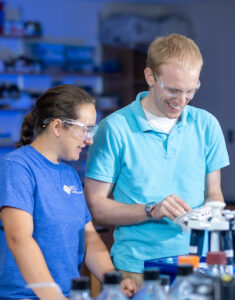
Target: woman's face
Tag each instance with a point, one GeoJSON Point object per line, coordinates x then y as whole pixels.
{"type": "Point", "coordinates": [74, 137]}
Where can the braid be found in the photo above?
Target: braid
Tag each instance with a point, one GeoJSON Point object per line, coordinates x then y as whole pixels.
{"type": "Point", "coordinates": [27, 131]}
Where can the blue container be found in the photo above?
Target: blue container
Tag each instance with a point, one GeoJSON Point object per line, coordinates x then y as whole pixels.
{"type": "Point", "coordinates": [168, 265]}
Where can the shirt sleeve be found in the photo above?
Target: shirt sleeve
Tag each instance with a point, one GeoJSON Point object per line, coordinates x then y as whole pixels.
{"type": "Point", "coordinates": [88, 217]}
{"type": "Point", "coordinates": [216, 151]}
{"type": "Point", "coordinates": [104, 156]}
{"type": "Point", "coordinates": [16, 186]}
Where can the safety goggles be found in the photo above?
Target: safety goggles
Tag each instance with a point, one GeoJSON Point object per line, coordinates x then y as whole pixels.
{"type": "Point", "coordinates": [86, 131]}
{"type": "Point", "coordinates": [89, 130]}
{"type": "Point", "coordinates": [173, 92]}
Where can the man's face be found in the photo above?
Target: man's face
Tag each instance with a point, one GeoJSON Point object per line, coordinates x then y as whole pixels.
{"type": "Point", "coordinates": [173, 88]}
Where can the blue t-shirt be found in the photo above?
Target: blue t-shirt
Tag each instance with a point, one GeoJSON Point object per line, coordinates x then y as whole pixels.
{"type": "Point", "coordinates": [145, 166]}
{"type": "Point", "coordinates": [53, 195]}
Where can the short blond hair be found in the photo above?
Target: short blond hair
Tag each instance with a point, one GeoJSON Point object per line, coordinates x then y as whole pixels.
{"type": "Point", "coordinates": [175, 48]}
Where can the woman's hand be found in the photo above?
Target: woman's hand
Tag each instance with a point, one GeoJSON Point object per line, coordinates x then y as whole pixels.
{"type": "Point", "coordinates": [129, 287]}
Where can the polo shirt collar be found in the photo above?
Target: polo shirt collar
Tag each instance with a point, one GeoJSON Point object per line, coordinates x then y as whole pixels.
{"type": "Point", "coordinates": [139, 113]}
{"type": "Point", "coordinates": [185, 118]}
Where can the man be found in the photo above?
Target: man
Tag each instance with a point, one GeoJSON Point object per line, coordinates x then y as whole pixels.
{"type": "Point", "coordinates": [156, 159]}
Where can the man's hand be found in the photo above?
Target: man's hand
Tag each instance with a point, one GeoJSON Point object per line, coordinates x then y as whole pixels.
{"type": "Point", "coordinates": [171, 207]}
{"type": "Point", "coordinates": [129, 287]}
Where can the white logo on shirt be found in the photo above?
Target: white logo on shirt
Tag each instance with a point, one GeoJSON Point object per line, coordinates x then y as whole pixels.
{"type": "Point", "coordinates": [71, 189]}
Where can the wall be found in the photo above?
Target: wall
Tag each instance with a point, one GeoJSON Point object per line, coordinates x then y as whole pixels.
{"type": "Point", "coordinates": [63, 18]}
{"type": "Point", "coordinates": [214, 28]}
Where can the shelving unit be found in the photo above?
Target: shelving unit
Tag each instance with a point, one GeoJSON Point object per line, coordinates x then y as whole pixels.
{"type": "Point", "coordinates": [112, 88]}
{"type": "Point", "coordinates": [37, 83]}
{"type": "Point", "coordinates": [131, 81]}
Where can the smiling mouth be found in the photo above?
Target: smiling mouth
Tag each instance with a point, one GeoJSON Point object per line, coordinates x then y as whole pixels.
{"type": "Point", "coordinates": [174, 106]}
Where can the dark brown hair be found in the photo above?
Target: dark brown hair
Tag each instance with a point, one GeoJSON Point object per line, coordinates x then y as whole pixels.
{"type": "Point", "coordinates": [58, 102]}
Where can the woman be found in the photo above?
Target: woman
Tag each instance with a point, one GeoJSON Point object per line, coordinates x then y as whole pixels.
{"type": "Point", "coordinates": [46, 226]}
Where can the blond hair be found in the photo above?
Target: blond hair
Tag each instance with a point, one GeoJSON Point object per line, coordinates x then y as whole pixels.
{"type": "Point", "coordinates": [173, 48]}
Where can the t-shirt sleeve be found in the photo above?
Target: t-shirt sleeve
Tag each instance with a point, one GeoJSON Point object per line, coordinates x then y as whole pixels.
{"type": "Point", "coordinates": [16, 186]}
{"type": "Point", "coordinates": [216, 155]}
{"type": "Point", "coordinates": [88, 217]}
{"type": "Point", "coordinates": [103, 162]}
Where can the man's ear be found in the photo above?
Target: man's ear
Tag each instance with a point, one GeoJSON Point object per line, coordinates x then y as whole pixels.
{"type": "Point", "coordinates": [149, 76]}
{"type": "Point", "coordinates": [56, 126]}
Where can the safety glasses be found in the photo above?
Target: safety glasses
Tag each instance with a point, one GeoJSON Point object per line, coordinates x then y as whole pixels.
{"type": "Point", "coordinates": [173, 92]}
{"type": "Point", "coordinates": [85, 131]}
{"type": "Point", "coordinates": [89, 130]}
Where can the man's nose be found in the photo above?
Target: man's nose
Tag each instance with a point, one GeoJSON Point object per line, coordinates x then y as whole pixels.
{"type": "Point", "coordinates": [181, 98]}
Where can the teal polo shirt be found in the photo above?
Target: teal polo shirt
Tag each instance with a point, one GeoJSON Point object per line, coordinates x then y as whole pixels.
{"type": "Point", "coordinates": [146, 165]}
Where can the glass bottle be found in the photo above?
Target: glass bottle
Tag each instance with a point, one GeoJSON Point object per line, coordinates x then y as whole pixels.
{"type": "Point", "coordinates": [216, 262]}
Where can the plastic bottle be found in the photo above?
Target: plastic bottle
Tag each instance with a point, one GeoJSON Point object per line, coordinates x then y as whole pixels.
{"type": "Point", "coordinates": [165, 282]}
{"type": "Point", "coordinates": [111, 288]}
{"type": "Point", "coordinates": [151, 289]}
{"type": "Point", "coordinates": [80, 289]}
{"type": "Point", "coordinates": [201, 287]}
{"type": "Point", "coordinates": [216, 262]}
{"type": "Point", "coordinates": [181, 287]}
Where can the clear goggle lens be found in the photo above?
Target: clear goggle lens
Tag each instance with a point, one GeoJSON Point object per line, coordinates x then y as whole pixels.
{"type": "Point", "coordinates": [172, 92]}
{"type": "Point", "coordinates": [89, 130]}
